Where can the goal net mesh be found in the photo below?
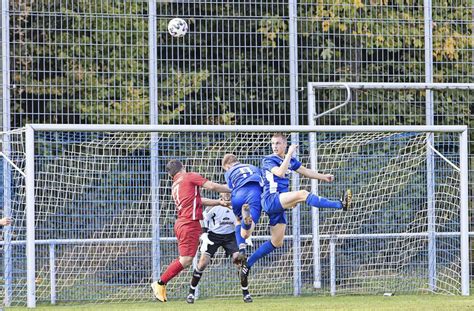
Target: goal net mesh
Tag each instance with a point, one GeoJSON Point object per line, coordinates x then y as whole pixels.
{"type": "Point", "coordinates": [94, 206]}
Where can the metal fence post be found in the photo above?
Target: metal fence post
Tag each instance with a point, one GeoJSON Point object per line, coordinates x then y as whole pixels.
{"type": "Point", "coordinates": [430, 181]}
{"type": "Point", "coordinates": [6, 149]}
{"type": "Point", "coordinates": [154, 160]}
{"type": "Point", "coordinates": [296, 213]}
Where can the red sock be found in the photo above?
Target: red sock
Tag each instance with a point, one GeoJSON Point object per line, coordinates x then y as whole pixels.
{"type": "Point", "coordinates": [173, 270]}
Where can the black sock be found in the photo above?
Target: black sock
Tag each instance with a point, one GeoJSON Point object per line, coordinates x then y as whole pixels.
{"type": "Point", "coordinates": [245, 291]}
{"type": "Point", "coordinates": [244, 284]}
{"type": "Point", "coordinates": [196, 278]}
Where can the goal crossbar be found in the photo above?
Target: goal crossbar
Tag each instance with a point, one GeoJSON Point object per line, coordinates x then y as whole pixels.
{"type": "Point", "coordinates": [246, 128]}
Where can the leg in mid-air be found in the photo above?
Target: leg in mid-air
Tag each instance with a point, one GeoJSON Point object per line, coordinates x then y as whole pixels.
{"type": "Point", "coordinates": [278, 221]}
{"type": "Point", "coordinates": [277, 232]}
{"type": "Point", "coordinates": [246, 203]}
{"type": "Point", "coordinates": [289, 200]}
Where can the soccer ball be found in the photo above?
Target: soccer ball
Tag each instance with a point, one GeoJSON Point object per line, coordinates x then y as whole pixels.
{"type": "Point", "coordinates": [177, 27]}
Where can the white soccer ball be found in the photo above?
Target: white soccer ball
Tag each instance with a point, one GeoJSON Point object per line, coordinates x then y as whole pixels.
{"type": "Point", "coordinates": [177, 27]}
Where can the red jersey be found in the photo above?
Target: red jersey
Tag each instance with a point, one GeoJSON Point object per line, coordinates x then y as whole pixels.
{"type": "Point", "coordinates": [186, 195]}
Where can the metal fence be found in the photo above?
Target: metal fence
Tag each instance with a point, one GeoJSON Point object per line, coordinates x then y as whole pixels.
{"type": "Point", "coordinates": [242, 63]}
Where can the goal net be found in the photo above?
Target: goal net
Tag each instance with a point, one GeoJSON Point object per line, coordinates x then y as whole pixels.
{"type": "Point", "coordinates": [94, 201]}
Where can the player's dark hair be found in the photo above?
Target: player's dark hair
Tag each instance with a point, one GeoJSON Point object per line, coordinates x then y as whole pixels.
{"type": "Point", "coordinates": [173, 167]}
{"type": "Point", "coordinates": [229, 159]}
{"type": "Point", "coordinates": [278, 135]}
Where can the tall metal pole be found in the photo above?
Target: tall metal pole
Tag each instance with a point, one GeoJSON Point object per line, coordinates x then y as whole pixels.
{"type": "Point", "coordinates": [313, 156]}
{"type": "Point", "coordinates": [30, 217]}
{"type": "Point", "coordinates": [431, 213]}
{"type": "Point", "coordinates": [154, 160]}
{"type": "Point", "coordinates": [464, 212]}
{"type": "Point", "coordinates": [293, 46]}
{"type": "Point", "coordinates": [6, 149]}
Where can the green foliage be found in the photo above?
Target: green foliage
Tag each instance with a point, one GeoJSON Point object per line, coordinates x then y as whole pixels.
{"type": "Point", "coordinates": [88, 64]}
{"type": "Point", "coordinates": [87, 61]}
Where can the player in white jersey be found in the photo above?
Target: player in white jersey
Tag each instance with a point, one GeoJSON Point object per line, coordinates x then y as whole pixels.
{"type": "Point", "coordinates": [218, 231]}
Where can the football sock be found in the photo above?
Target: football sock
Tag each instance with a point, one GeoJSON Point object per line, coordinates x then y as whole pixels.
{"type": "Point", "coordinates": [317, 201]}
{"type": "Point", "coordinates": [173, 270]}
{"type": "Point", "coordinates": [245, 226]}
{"type": "Point", "coordinates": [195, 281]}
{"type": "Point", "coordinates": [264, 249]}
{"type": "Point", "coordinates": [238, 236]}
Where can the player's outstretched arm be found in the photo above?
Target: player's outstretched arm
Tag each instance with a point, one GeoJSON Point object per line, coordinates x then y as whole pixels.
{"type": "Point", "coordinates": [315, 175]}
{"type": "Point", "coordinates": [209, 185]}
{"type": "Point", "coordinates": [213, 202]}
{"type": "Point", "coordinates": [281, 170]}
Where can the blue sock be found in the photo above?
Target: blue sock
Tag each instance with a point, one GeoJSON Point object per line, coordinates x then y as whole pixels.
{"type": "Point", "coordinates": [316, 201]}
{"type": "Point", "coordinates": [264, 249]}
{"type": "Point", "coordinates": [238, 236]}
{"type": "Point", "coordinates": [245, 226]}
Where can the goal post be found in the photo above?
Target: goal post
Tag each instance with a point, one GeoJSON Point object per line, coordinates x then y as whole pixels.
{"type": "Point", "coordinates": [70, 167]}
{"type": "Point", "coordinates": [348, 88]}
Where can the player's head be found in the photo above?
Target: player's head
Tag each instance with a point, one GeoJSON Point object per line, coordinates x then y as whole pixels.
{"type": "Point", "coordinates": [279, 144]}
{"type": "Point", "coordinates": [174, 167]}
{"type": "Point", "coordinates": [228, 161]}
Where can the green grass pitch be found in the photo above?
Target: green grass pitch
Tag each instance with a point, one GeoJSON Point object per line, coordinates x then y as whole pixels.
{"type": "Point", "coordinates": [404, 302]}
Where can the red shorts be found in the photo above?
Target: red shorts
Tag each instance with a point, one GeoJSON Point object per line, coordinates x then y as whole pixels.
{"type": "Point", "coordinates": [188, 232]}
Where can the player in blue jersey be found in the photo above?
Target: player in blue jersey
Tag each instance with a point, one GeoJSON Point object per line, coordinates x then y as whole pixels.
{"type": "Point", "coordinates": [245, 182]}
{"type": "Point", "coordinates": [277, 198]}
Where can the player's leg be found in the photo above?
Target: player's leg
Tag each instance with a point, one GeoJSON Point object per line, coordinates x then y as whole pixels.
{"type": "Point", "coordinates": [187, 234]}
{"type": "Point", "coordinates": [238, 200]}
{"type": "Point", "coordinates": [230, 246]}
{"type": "Point", "coordinates": [252, 208]}
{"type": "Point", "coordinates": [204, 260]}
{"type": "Point", "coordinates": [197, 274]}
{"type": "Point", "coordinates": [240, 240]}
{"type": "Point", "coordinates": [243, 284]}
{"type": "Point", "coordinates": [251, 213]}
{"type": "Point", "coordinates": [290, 199]}
{"type": "Point", "coordinates": [277, 215]}
{"type": "Point", "coordinates": [277, 235]}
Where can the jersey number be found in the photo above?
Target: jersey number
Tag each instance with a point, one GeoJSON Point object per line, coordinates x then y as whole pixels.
{"type": "Point", "coordinates": [175, 194]}
{"type": "Point", "coordinates": [245, 171]}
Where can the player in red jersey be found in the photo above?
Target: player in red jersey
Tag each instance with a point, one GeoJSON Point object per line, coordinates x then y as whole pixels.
{"type": "Point", "coordinates": [186, 195]}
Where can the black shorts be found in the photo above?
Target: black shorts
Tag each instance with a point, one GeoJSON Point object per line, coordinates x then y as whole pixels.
{"type": "Point", "coordinates": [227, 241]}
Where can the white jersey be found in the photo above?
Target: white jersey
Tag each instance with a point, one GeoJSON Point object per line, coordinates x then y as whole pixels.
{"type": "Point", "coordinates": [219, 220]}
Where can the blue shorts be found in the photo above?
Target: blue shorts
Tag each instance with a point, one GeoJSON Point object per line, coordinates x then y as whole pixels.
{"type": "Point", "coordinates": [250, 193]}
{"type": "Point", "coordinates": [274, 209]}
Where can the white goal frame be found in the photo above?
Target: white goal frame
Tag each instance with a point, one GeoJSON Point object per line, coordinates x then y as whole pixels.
{"type": "Point", "coordinates": [30, 172]}
{"type": "Point", "coordinates": [429, 108]}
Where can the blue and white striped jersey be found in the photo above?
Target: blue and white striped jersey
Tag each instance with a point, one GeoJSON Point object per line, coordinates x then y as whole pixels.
{"type": "Point", "coordinates": [273, 183]}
